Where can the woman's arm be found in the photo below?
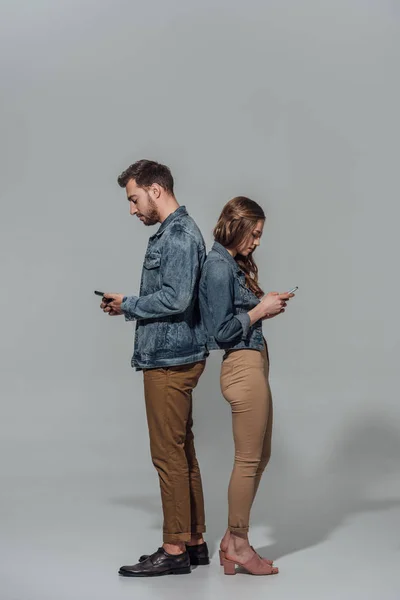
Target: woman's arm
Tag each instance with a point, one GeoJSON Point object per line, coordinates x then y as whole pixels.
{"type": "Point", "coordinates": [227, 326]}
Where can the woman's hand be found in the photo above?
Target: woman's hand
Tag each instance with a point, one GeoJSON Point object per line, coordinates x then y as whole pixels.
{"type": "Point", "coordinates": [271, 304]}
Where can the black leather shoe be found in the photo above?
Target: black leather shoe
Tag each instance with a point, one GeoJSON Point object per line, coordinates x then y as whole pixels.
{"type": "Point", "coordinates": [159, 563]}
{"type": "Point", "coordinates": [198, 555]}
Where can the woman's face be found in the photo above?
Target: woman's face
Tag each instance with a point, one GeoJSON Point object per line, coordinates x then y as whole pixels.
{"type": "Point", "coordinates": [251, 242]}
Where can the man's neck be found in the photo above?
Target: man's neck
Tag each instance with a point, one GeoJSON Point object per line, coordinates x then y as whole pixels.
{"type": "Point", "coordinates": [169, 206]}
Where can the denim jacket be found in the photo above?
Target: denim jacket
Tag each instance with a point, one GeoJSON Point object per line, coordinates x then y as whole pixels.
{"type": "Point", "coordinates": [224, 303]}
{"type": "Point", "coordinates": [169, 331]}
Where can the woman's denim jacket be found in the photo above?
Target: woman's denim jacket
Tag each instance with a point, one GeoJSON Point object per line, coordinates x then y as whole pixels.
{"type": "Point", "coordinates": [169, 331]}
{"type": "Point", "coordinates": [224, 303]}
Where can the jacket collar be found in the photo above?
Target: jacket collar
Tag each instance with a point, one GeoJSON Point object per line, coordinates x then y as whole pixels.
{"type": "Point", "coordinates": [179, 212]}
{"type": "Point", "coordinates": [223, 252]}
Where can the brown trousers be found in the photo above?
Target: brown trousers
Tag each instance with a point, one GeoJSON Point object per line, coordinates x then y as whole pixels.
{"type": "Point", "coordinates": [168, 396]}
{"type": "Point", "coordinates": [244, 384]}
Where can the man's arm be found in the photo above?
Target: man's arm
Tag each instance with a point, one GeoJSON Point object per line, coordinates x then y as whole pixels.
{"type": "Point", "coordinates": [227, 327]}
{"type": "Point", "coordinates": [179, 273]}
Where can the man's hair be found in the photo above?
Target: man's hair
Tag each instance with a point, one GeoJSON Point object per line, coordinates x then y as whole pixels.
{"type": "Point", "coordinates": [147, 172]}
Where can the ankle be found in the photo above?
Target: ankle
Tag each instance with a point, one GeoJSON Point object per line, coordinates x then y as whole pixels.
{"type": "Point", "coordinates": [175, 548]}
{"type": "Point", "coordinates": [196, 540]}
{"type": "Point", "coordinates": [225, 540]}
{"type": "Point", "coordinates": [238, 542]}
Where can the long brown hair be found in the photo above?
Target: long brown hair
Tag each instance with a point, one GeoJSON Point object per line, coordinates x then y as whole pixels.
{"type": "Point", "coordinates": [237, 220]}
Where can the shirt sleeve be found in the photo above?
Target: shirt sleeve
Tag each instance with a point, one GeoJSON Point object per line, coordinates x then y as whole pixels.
{"type": "Point", "coordinates": [179, 270]}
{"type": "Point", "coordinates": [227, 326]}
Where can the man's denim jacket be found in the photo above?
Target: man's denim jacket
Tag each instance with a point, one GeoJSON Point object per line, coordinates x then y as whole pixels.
{"type": "Point", "coordinates": [224, 303]}
{"type": "Point", "coordinates": [169, 330]}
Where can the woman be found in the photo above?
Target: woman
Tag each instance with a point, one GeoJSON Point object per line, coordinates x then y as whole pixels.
{"type": "Point", "coordinates": [233, 307]}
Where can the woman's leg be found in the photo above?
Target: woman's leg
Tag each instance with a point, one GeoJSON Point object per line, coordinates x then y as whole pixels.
{"type": "Point", "coordinates": [266, 451]}
{"type": "Point", "coordinates": [244, 386]}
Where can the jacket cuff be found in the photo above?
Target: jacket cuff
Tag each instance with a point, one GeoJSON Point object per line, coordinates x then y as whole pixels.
{"type": "Point", "coordinates": [245, 322]}
{"type": "Point", "coordinates": [128, 307]}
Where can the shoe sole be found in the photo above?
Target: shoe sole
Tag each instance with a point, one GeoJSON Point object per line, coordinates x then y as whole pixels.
{"type": "Point", "coordinates": [194, 562]}
{"type": "Point", "coordinates": [182, 571]}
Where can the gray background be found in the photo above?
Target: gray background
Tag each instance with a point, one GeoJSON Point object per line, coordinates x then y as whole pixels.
{"type": "Point", "coordinates": [293, 103]}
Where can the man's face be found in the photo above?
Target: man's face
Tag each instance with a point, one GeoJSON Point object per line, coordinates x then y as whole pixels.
{"type": "Point", "coordinates": [142, 204]}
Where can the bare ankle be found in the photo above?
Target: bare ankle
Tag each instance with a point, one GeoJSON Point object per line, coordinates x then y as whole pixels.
{"type": "Point", "coordinates": [174, 548]}
{"type": "Point", "coordinates": [238, 542]}
{"type": "Point", "coordinates": [196, 540]}
{"type": "Point", "coordinates": [225, 539]}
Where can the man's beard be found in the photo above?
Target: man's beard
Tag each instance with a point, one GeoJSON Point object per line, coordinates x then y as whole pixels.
{"type": "Point", "coordinates": [153, 217]}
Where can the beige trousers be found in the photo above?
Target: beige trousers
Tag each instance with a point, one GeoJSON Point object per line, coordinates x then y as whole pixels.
{"type": "Point", "coordinates": [168, 396]}
{"type": "Point", "coordinates": [244, 384]}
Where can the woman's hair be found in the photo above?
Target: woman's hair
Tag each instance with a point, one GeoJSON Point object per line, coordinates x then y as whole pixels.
{"type": "Point", "coordinates": [237, 220]}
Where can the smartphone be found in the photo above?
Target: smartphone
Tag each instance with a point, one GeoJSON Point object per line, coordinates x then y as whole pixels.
{"type": "Point", "coordinates": [102, 294]}
{"type": "Point", "coordinates": [293, 290]}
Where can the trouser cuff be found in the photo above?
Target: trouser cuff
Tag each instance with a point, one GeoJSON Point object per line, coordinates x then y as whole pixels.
{"type": "Point", "coordinates": [238, 529]}
{"type": "Point", "coordinates": [198, 528]}
{"type": "Point", "coordinates": [172, 538]}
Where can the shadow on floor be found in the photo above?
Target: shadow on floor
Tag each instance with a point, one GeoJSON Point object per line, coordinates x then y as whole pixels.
{"type": "Point", "coordinates": [302, 509]}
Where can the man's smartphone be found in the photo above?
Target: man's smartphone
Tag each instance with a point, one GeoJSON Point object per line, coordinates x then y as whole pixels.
{"type": "Point", "coordinates": [292, 291]}
{"type": "Point", "coordinates": [102, 295]}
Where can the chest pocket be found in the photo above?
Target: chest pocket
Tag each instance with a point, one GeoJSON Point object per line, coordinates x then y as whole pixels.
{"type": "Point", "coordinates": [249, 299]}
{"type": "Point", "coordinates": [151, 281]}
{"type": "Point", "coordinates": [152, 261]}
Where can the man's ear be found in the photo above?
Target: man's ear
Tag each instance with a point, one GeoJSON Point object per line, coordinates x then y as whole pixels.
{"type": "Point", "coordinates": [155, 190]}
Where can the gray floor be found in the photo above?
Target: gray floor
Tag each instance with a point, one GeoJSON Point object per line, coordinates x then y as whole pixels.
{"type": "Point", "coordinates": [77, 502]}
{"type": "Point", "coordinates": [65, 538]}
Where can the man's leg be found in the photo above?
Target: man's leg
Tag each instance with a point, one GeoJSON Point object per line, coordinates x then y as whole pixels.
{"type": "Point", "coordinates": [168, 405]}
{"type": "Point", "coordinates": [195, 483]}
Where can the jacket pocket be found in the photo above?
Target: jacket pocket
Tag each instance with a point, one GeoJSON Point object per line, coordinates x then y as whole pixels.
{"type": "Point", "coordinates": [249, 300]}
{"type": "Point", "coordinates": [152, 260]}
{"type": "Point", "coordinates": [151, 273]}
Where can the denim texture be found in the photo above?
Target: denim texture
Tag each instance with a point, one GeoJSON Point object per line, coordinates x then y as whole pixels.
{"type": "Point", "coordinates": [225, 301]}
{"type": "Point", "coordinates": [169, 330]}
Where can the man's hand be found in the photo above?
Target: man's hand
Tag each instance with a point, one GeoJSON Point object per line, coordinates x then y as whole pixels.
{"type": "Point", "coordinates": [111, 304]}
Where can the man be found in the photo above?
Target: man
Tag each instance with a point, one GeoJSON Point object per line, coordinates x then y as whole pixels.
{"type": "Point", "coordinates": [170, 350]}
